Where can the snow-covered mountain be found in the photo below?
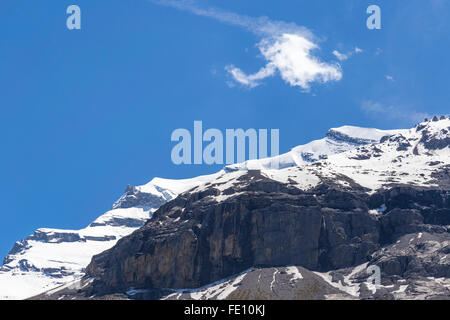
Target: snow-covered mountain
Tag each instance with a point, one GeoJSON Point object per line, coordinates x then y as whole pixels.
{"type": "Point", "coordinates": [337, 140]}
{"type": "Point", "coordinates": [384, 205]}
{"type": "Point", "coordinates": [51, 257]}
{"type": "Point", "coordinates": [410, 157]}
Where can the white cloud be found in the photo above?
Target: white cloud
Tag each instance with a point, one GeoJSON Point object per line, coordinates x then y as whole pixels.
{"type": "Point", "coordinates": [289, 54]}
{"type": "Point", "coordinates": [390, 78]}
{"type": "Point", "coordinates": [250, 80]}
{"type": "Point", "coordinates": [340, 56]}
{"type": "Point", "coordinates": [287, 48]}
{"type": "Point", "coordinates": [345, 56]}
{"type": "Point", "coordinates": [390, 112]}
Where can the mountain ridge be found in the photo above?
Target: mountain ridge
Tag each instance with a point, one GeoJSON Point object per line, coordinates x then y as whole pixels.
{"type": "Point", "coordinates": [148, 198]}
{"type": "Point", "coordinates": [374, 205]}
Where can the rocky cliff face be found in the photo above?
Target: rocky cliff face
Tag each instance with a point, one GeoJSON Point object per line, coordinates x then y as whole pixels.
{"type": "Point", "coordinates": [370, 205]}
{"type": "Point", "coordinates": [194, 240]}
{"type": "Point", "coordinates": [52, 257]}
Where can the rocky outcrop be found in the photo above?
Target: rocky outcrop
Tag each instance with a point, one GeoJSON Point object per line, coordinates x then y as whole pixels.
{"type": "Point", "coordinates": [195, 240]}
{"type": "Point", "coordinates": [135, 198]}
{"type": "Point", "coordinates": [340, 136]}
{"type": "Point", "coordinates": [278, 283]}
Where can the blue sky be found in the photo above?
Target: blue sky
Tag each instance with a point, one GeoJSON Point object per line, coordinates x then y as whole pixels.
{"type": "Point", "coordinates": [85, 112]}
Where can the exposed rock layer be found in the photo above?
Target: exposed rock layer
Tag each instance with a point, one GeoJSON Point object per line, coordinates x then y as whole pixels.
{"type": "Point", "coordinates": [194, 240]}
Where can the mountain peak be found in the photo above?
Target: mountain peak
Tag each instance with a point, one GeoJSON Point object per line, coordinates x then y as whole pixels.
{"type": "Point", "coordinates": [348, 156]}
{"type": "Point", "coordinates": [359, 135]}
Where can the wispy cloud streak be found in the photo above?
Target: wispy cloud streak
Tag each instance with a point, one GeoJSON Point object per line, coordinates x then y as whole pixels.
{"type": "Point", "coordinates": [344, 56]}
{"type": "Point", "coordinates": [393, 113]}
{"type": "Point", "coordinates": [287, 48]}
{"type": "Point", "coordinates": [262, 26]}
